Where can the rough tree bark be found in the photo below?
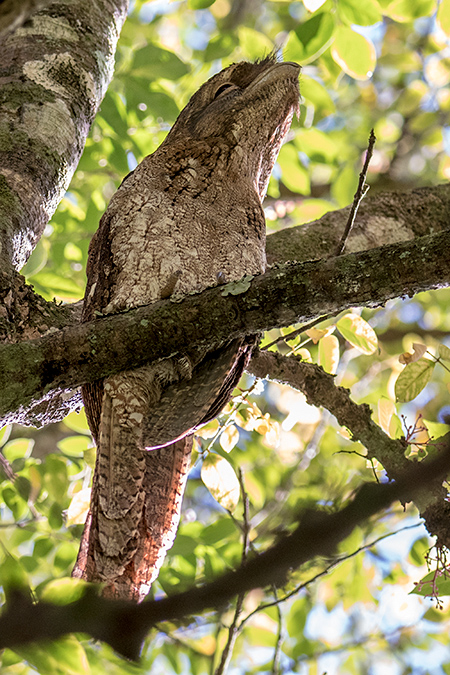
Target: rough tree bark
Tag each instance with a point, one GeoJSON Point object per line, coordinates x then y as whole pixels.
{"type": "Point", "coordinates": [55, 69]}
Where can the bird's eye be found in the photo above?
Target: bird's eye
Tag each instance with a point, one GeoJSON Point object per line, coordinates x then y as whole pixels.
{"type": "Point", "coordinates": [222, 88]}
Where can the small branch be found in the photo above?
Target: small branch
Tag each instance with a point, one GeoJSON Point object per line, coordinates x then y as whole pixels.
{"type": "Point", "coordinates": [360, 193]}
{"type": "Point", "coordinates": [280, 637]}
{"type": "Point", "coordinates": [7, 470]}
{"type": "Point", "coordinates": [294, 333]}
{"type": "Point", "coordinates": [234, 629]}
{"type": "Point", "coordinates": [321, 391]}
{"type": "Point", "coordinates": [325, 571]}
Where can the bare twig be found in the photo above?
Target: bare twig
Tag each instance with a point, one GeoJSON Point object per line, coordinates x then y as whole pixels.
{"type": "Point", "coordinates": [324, 572]}
{"type": "Point", "coordinates": [7, 470]}
{"type": "Point", "coordinates": [234, 629]}
{"type": "Point", "coordinates": [294, 333]}
{"type": "Point", "coordinates": [280, 637]}
{"type": "Point", "coordinates": [360, 193]}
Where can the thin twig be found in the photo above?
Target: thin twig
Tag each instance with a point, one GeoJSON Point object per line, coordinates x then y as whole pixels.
{"type": "Point", "coordinates": [234, 629]}
{"type": "Point", "coordinates": [360, 193]}
{"type": "Point", "coordinates": [326, 570]}
{"type": "Point", "coordinates": [280, 637]}
{"type": "Point", "coordinates": [298, 331]}
{"type": "Point", "coordinates": [7, 470]}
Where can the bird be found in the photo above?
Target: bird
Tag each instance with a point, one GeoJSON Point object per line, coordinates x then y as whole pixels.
{"type": "Point", "coordinates": [189, 217]}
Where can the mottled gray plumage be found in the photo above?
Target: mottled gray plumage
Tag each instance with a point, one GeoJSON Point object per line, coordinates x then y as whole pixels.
{"type": "Point", "coordinates": [187, 218]}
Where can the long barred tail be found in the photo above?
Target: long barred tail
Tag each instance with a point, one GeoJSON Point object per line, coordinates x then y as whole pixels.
{"type": "Point", "coordinates": [134, 512]}
{"type": "Point", "coordinates": [137, 494]}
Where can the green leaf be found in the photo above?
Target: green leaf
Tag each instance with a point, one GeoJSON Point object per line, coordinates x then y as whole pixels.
{"type": "Point", "coordinates": [253, 43]}
{"type": "Point", "coordinates": [55, 477]}
{"type": "Point", "coordinates": [433, 584]}
{"type": "Point", "coordinates": [74, 446]}
{"type": "Point", "coordinates": [294, 175]}
{"type": "Point", "coordinates": [218, 532]}
{"type": "Point", "coordinates": [360, 13]}
{"type": "Point", "coordinates": [221, 46]}
{"type": "Point", "coordinates": [200, 4]}
{"type": "Point", "coordinates": [5, 434]}
{"type": "Point", "coordinates": [418, 551]}
{"type": "Point", "coordinates": [63, 591]}
{"type": "Point", "coordinates": [443, 16]}
{"type": "Point", "coordinates": [19, 448]}
{"type": "Point", "coordinates": [354, 53]}
{"type": "Point", "coordinates": [43, 546]}
{"type": "Point", "coordinates": [12, 573]}
{"type": "Point", "coordinates": [76, 421]}
{"type": "Point", "coordinates": [413, 378]}
{"type": "Point", "coordinates": [409, 10]}
{"type": "Point", "coordinates": [344, 187]}
{"type": "Point", "coordinates": [315, 93]}
{"type": "Point", "coordinates": [358, 332]}
{"type": "Point", "coordinates": [317, 145]}
{"type": "Point", "coordinates": [444, 353]}
{"type": "Point", "coordinates": [66, 555]}
{"type": "Point", "coordinates": [315, 35]}
{"type": "Point", "coordinates": [153, 63]}
{"type": "Point", "coordinates": [61, 657]}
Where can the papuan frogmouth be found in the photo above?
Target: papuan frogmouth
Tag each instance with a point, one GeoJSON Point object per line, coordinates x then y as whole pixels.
{"type": "Point", "coordinates": [187, 218]}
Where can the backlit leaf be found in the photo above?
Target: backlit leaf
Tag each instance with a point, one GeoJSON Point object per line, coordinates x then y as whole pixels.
{"type": "Point", "coordinates": [229, 438]}
{"type": "Point", "coordinates": [354, 53]}
{"type": "Point", "coordinates": [360, 13]}
{"type": "Point", "coordinates": [413, 378]}
{"type": "Point", "coordinates": [329, 353]}
{"type": "Point", "coordinates": [79, 507]}
{"type": "Point", "coordinates": [407, 357]}
{"type": "Point", "coordinates": [386, 408]}
{"type": "Point", "coordinates": [314, 35]}
{"type": "Point", "coordinates": [443, 16]}
{"type": "Point", "coordinates": [221, 480]}
{"type": "Point", "coordinates": [358, 332]}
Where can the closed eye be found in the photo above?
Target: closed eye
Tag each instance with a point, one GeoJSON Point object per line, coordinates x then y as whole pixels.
{"type": "Point", "coordinates": [223, 88]}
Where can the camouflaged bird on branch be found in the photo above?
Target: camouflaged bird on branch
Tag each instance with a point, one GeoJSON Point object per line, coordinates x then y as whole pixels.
{"type": "Point", "coordinates": [187, 218]}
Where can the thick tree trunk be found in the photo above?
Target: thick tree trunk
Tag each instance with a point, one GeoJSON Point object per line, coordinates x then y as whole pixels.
{"type": "Point", "coordinates": [54, 72]}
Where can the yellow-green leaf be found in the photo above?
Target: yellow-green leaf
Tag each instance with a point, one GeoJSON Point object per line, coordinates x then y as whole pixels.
{"type": "Point", "coordinates": [221, 480]}
{"type": "Point", "coordinates": [354, 53]}
{"type": "Point", "coordinates": [359, 13]}
{"type": "Point", "coordinates": [314, 36]}
{"type": "Point", "coordinates": [443, 16]}
{"type": "Point", "coordinates": [386, 408]}
{"type": "Point", "coordinates": [294, 175]}
{"type": "Point", "coordinates": [358, 332]}
{"type": "Point", "coordinates": [329, 353]}
{"type": "Point", "coordinates": [408, 10]}
{"type": "Point", "coordinates": [413, 378]}
{"type": "Point", "coordinates": [63, 591]}
{"type": "Point", "coordinates": [444, 353]}
{"type": "Point", "coordinates": [5, 434]}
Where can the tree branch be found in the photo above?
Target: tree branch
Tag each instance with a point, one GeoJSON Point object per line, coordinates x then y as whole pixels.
{"type": "Point", "coordinates": [321, 391]}
{"type": "Point", "coordinates": [284, 295]}
{"type": "Point", "coordinates": [124, 625]}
